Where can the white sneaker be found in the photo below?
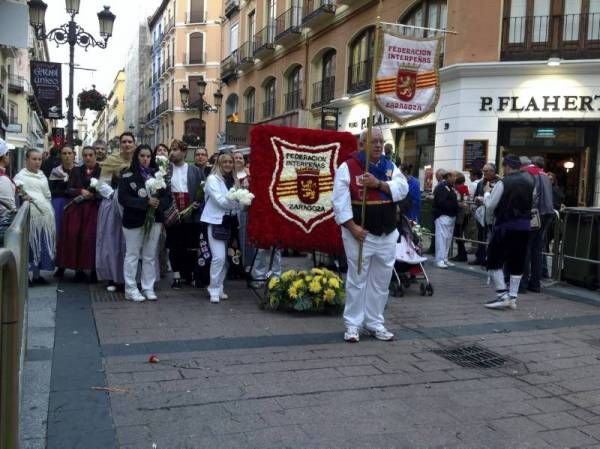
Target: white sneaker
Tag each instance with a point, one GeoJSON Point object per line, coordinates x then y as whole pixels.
{"type": "Point", "coordinates": [381, 334]}
{"type": "Point", "coordinates": [214, 299]}
{"type": "Point", "coordinates": [135, 296]}
{"type": "Point", "coordinates": [351, 334]}
{"type": "Point", "coordinates": [150, 295]}
{"type": "Point", "coordinates": [223, 296]}
{"type": "Point", "coordinates": [450, 264]}
{"type": "Point", "coordinates": [502, 302]}
{"type": "Point", "coordinates": [513, 304]}
{"type": "Point", "coordinates": [111, 288]}
{"type": "Point", "coordinates": [441, 265]}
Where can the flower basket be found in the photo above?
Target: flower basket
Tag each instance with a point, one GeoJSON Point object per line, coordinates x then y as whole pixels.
{"type": "Point", "coordinates": [318, 290]}
{"type": "Point", "coordinates": [91, 99]}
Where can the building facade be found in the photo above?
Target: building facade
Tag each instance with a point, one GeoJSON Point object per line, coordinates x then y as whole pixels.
{"type": "Point", "coordinates": [185, 45]}
{"type": "Point", "coordinates": [115, 110]}
{"type": "Point", "coordinates": [518, 76]}
{"type": "Point", "coordinates": [138, 59]}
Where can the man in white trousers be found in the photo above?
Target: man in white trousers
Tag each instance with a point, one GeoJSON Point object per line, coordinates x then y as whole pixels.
{"type": "Point", "coordinates": [445, 208]}
{"type": "Point", "coordinates": [367, 291]}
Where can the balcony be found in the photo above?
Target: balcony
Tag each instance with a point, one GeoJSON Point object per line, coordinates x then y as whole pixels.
{"type": "Point", "coordinates": [263, 41]}
{"type": "Point", "coordinates": [269, 108]}
{"type": "Point", "coordinates": [196, 58]}
{"type": "Point", "coordinates": [237, 133]}
{"type": "Point", "coordinates": [245, 55]}
{"type": "Point", "coordinates": [16, 84]}
{"type": "Point", "coordinates": [195, 18]}
{"type": "Point", "coordinates": [229, 66]}
{"type": "Point", "coordinates": [359, 76]}
{"type": "Point", "coordinates": [231, 6]}
{"type": "Point", "coordinates": [288, 26]}
{"type": "Point", "coordinates": [163, 107]}
{"type": "Point", "coordinates": [323, 92]}
{"type": "Point", "coordinates": [169, 25]}
{"type": "Point", "coordinates": [318, 12]}
{"type": "Point", "coordinates": [572, 36]}
{"type": "Point", "coordinates": [249, 114]}
{"type": "Point", "coordinates": [293, 100]}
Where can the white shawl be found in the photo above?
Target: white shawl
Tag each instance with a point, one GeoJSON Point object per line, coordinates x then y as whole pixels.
{"type": "Point", "coordinates": [42, 227]}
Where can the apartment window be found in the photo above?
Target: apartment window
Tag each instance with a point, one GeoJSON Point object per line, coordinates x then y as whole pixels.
{"type": "Point", "coordinates": [13, 113]}
{"type": "Point", "coordinates": [196, 11]}
{"type": "Point", "coordinates": [538, 29]}
{"type": "Point", "coordinates": [426, 14]}
{"type": "Point", "coordinates": [196, 48]}
{"type": "Point", "coordinates": [231, 106]}
{"type": "Point", "coordinates": [251, 26]}
{"type": "Point", "coordinates": [234, 37]}
{"type": "Point", "coordinates": [249, 101]}
{"type": "Point", "coordinates": [323, 91]}
{"type": "Point", "coordinates": [294, 89]}
{"type": "Point", "coordinates": [360, 69]}
{"type": "Point", "coordinates": [269, 104]}
{"type": "Point", "coordinates": [194, 100]}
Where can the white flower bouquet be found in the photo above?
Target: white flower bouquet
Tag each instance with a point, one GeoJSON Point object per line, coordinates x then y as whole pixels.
{"type": "Point", "coordinates": [243, 196]}
{"type": "Point", "coordinates": [163, 164]}
{"type": "Point", "coordinates": [153, 188]}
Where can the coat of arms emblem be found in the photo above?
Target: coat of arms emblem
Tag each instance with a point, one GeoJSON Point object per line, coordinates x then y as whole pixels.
{"type": "Point", "coordinates": [406, 82]}
{"type": "Point", "coordinates": [302, 184]}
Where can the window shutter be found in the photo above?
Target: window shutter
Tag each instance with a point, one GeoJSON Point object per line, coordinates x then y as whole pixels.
{"type": "Point", "coordinates": [197, 11]}
{"type": "Point", "coordinates": [196, 48]}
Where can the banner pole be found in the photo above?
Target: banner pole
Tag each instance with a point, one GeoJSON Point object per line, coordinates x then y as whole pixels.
{"type": "Point", "coordinates": [376, 56]}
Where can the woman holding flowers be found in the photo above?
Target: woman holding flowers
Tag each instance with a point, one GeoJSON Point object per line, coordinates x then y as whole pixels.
{"type": "Point", "coordinates": [32, 185]}
{"type": "Point", "coordinates": [144, 197]}
{"type": "Point", "coordinates": [110, 243]}
{"type": "Point", "coordinates": [76, 247]}
{"type": "Point", "coordinates": [219, 212]}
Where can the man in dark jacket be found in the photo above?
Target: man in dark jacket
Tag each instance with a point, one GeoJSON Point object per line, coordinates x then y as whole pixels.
{"type": "Point", "coordinates": [445, 208]}
{"type": "Point", "coordinates": [542, 201]}
{"type": "Point", "coordinates": [509, 203]}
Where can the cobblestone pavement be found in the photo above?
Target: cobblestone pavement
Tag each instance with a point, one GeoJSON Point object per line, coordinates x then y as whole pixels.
{"type": "Point", "coordinates": [233, 376]}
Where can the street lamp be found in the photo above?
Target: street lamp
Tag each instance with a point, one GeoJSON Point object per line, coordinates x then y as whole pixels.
{"type": "Point", "coordinates": [70, 33]}
{"type": "Point", "coordinates": [184, 93]}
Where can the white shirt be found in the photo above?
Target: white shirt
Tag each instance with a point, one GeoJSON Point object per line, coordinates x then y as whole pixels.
{"type": "Point", "coordinates": [342, 203]}
{"type": "Point", "coordinates": [491, 201]}
{"type": "Point", "coordinates": [179, 179]}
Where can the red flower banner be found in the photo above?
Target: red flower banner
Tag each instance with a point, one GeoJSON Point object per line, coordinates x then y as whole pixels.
{"type": "Point", "coordinates": [292, 171]}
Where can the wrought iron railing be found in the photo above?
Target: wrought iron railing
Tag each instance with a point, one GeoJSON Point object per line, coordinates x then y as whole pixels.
{"type": "Point", "coordinates": [313, 8]}
{"type": "Point", "coordinates": [293, 100]}
{"type": "Point", "coordinates": [269, 108]}
{"type": "Point", "coordinates": [359, 76]}
{"type": "Point", "coordinates": [264, 38]}
{"type": "Point", "coordinates": [323, 91]}
{"type": "Point", "coordinates": [288, 22]}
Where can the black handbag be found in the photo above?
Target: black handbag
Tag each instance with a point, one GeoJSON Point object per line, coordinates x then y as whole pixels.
{"type": "Point", "coordinates": [222, 231]}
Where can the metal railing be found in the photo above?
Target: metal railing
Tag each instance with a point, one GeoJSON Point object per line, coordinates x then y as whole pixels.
{"type": "Point", "coordinates": [231, 6]}
{"type": "Point", "coordinates": [313, 8]}
{"type": "Point", "coordinates": [264, 38]}
{"type": "Point", "coordinates": [536, 37]}
{"type": "Point", "coordinates": [359, 76]}
{"type": "Point", "coordinates": [249, 116]}
{"type": "Point", "coordinates": [14, 260]}
{"type": "Point", "coordinates": [323, 91]}
{"type": "Point", "coordinates": [269, 108]}
{"type": "Point", "coordinates": [288, 22]}
{"type": "Point", "coordinates": [293, 100]}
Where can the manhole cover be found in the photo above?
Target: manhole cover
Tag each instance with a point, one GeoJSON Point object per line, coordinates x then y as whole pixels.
{"type": "Point", "coordinates": [474, 356]}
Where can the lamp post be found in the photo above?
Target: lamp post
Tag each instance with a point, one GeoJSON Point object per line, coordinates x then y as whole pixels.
{"type": "Point", "coordinates": [70, 33]}
{"type": "Point", "coordinates": [184, 92]}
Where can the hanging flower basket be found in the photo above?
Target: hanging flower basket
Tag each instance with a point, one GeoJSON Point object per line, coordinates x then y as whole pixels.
{"type": "Point", "coordinates": [91, 99]}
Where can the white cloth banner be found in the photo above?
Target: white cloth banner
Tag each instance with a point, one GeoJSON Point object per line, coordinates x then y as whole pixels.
{"type": "Point", "coordinates": [407, 83]}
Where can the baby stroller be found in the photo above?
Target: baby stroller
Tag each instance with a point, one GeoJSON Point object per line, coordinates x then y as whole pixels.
{"type": "Point", "coordinates": [408, 267]}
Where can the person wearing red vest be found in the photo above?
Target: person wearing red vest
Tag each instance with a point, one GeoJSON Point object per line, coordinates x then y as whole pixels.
{"type": "Point", "coordinates": [367, 292]}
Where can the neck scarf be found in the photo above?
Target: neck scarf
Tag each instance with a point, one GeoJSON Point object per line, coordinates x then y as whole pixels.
{"type": "Point", "coordinates": [146, 172]}
{"type": "Point", "coordinates": [382, 169]}
{"type": "Point", "coordinates": [229, 181]}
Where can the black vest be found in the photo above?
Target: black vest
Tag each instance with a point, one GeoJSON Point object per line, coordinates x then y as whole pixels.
{"type": "Point", "coordinates": [379, 218]}
{"type": "Point", "coordinates": [517, 198]}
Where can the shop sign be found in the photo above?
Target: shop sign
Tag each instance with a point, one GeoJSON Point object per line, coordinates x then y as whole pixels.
{"type": "Point", "coordinates": [46, 81]}
{"type": "Point", "coordinates": [545, 103]}
{"type": "Point", "coordinates": [378, 118]}
{"type": "Point", "coordinates": [329, 118]}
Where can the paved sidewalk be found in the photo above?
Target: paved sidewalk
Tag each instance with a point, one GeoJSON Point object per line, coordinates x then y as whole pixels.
{"type": "Point", "coordinates": [233, 376]}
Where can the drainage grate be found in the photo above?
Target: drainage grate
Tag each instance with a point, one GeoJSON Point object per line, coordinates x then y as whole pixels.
{"type": "Point", "coordinates": [474, 356]}
{"type": "Point", "coordinates": [104, 296]}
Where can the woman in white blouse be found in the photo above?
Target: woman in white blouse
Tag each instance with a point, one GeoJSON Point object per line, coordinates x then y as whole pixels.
{"type": "Point", "coordinates": [42, 229]}
{"type": "Point", "coordinates": [216, 208]}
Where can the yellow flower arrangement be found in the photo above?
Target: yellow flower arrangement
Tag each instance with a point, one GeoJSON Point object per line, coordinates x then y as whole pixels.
{"type": "Point", "coordinates": [316, 290]}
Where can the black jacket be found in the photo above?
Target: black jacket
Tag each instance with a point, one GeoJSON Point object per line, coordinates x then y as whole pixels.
{"type": "Point", "coordinates": [134, 199]}
{"type": "Point", "coordinates": [445, 201]}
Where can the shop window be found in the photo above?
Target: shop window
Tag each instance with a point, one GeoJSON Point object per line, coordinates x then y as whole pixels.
{"type": "Point", "coordinates": [323, 90]}
{"type": "Point", "coordinates": [269, 103]}
{"type": "Point", "coordinates": [196, 48]}
{"type": "Point", "coordinates": [249, 101]}
{"type": "Point", "coordinates": [294, 89]}
{"type": "Point", "coordinates": [416, 148]}
{"type": "Point", "coordinates": [540, 29]}
{"type": "Point", "coordinates": [360, 69]}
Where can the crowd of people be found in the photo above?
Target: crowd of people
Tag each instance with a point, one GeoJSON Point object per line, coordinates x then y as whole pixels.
{"type": "Point", "coordinates": [100, 217]}
{"type": "Point", "coordinates": [480, 210]}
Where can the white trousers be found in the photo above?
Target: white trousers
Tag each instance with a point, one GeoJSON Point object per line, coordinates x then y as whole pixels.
{"type": "Point", "coordinates": [136, 247]}
{"type": "Point", "coordinates": [261, 264]}
{"type": "Point", "coordinates": [367, 292]}
{"type": "Point", "coordinates": [218, 263]}
{"type": "Point", "coordinates": [444, 230]}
